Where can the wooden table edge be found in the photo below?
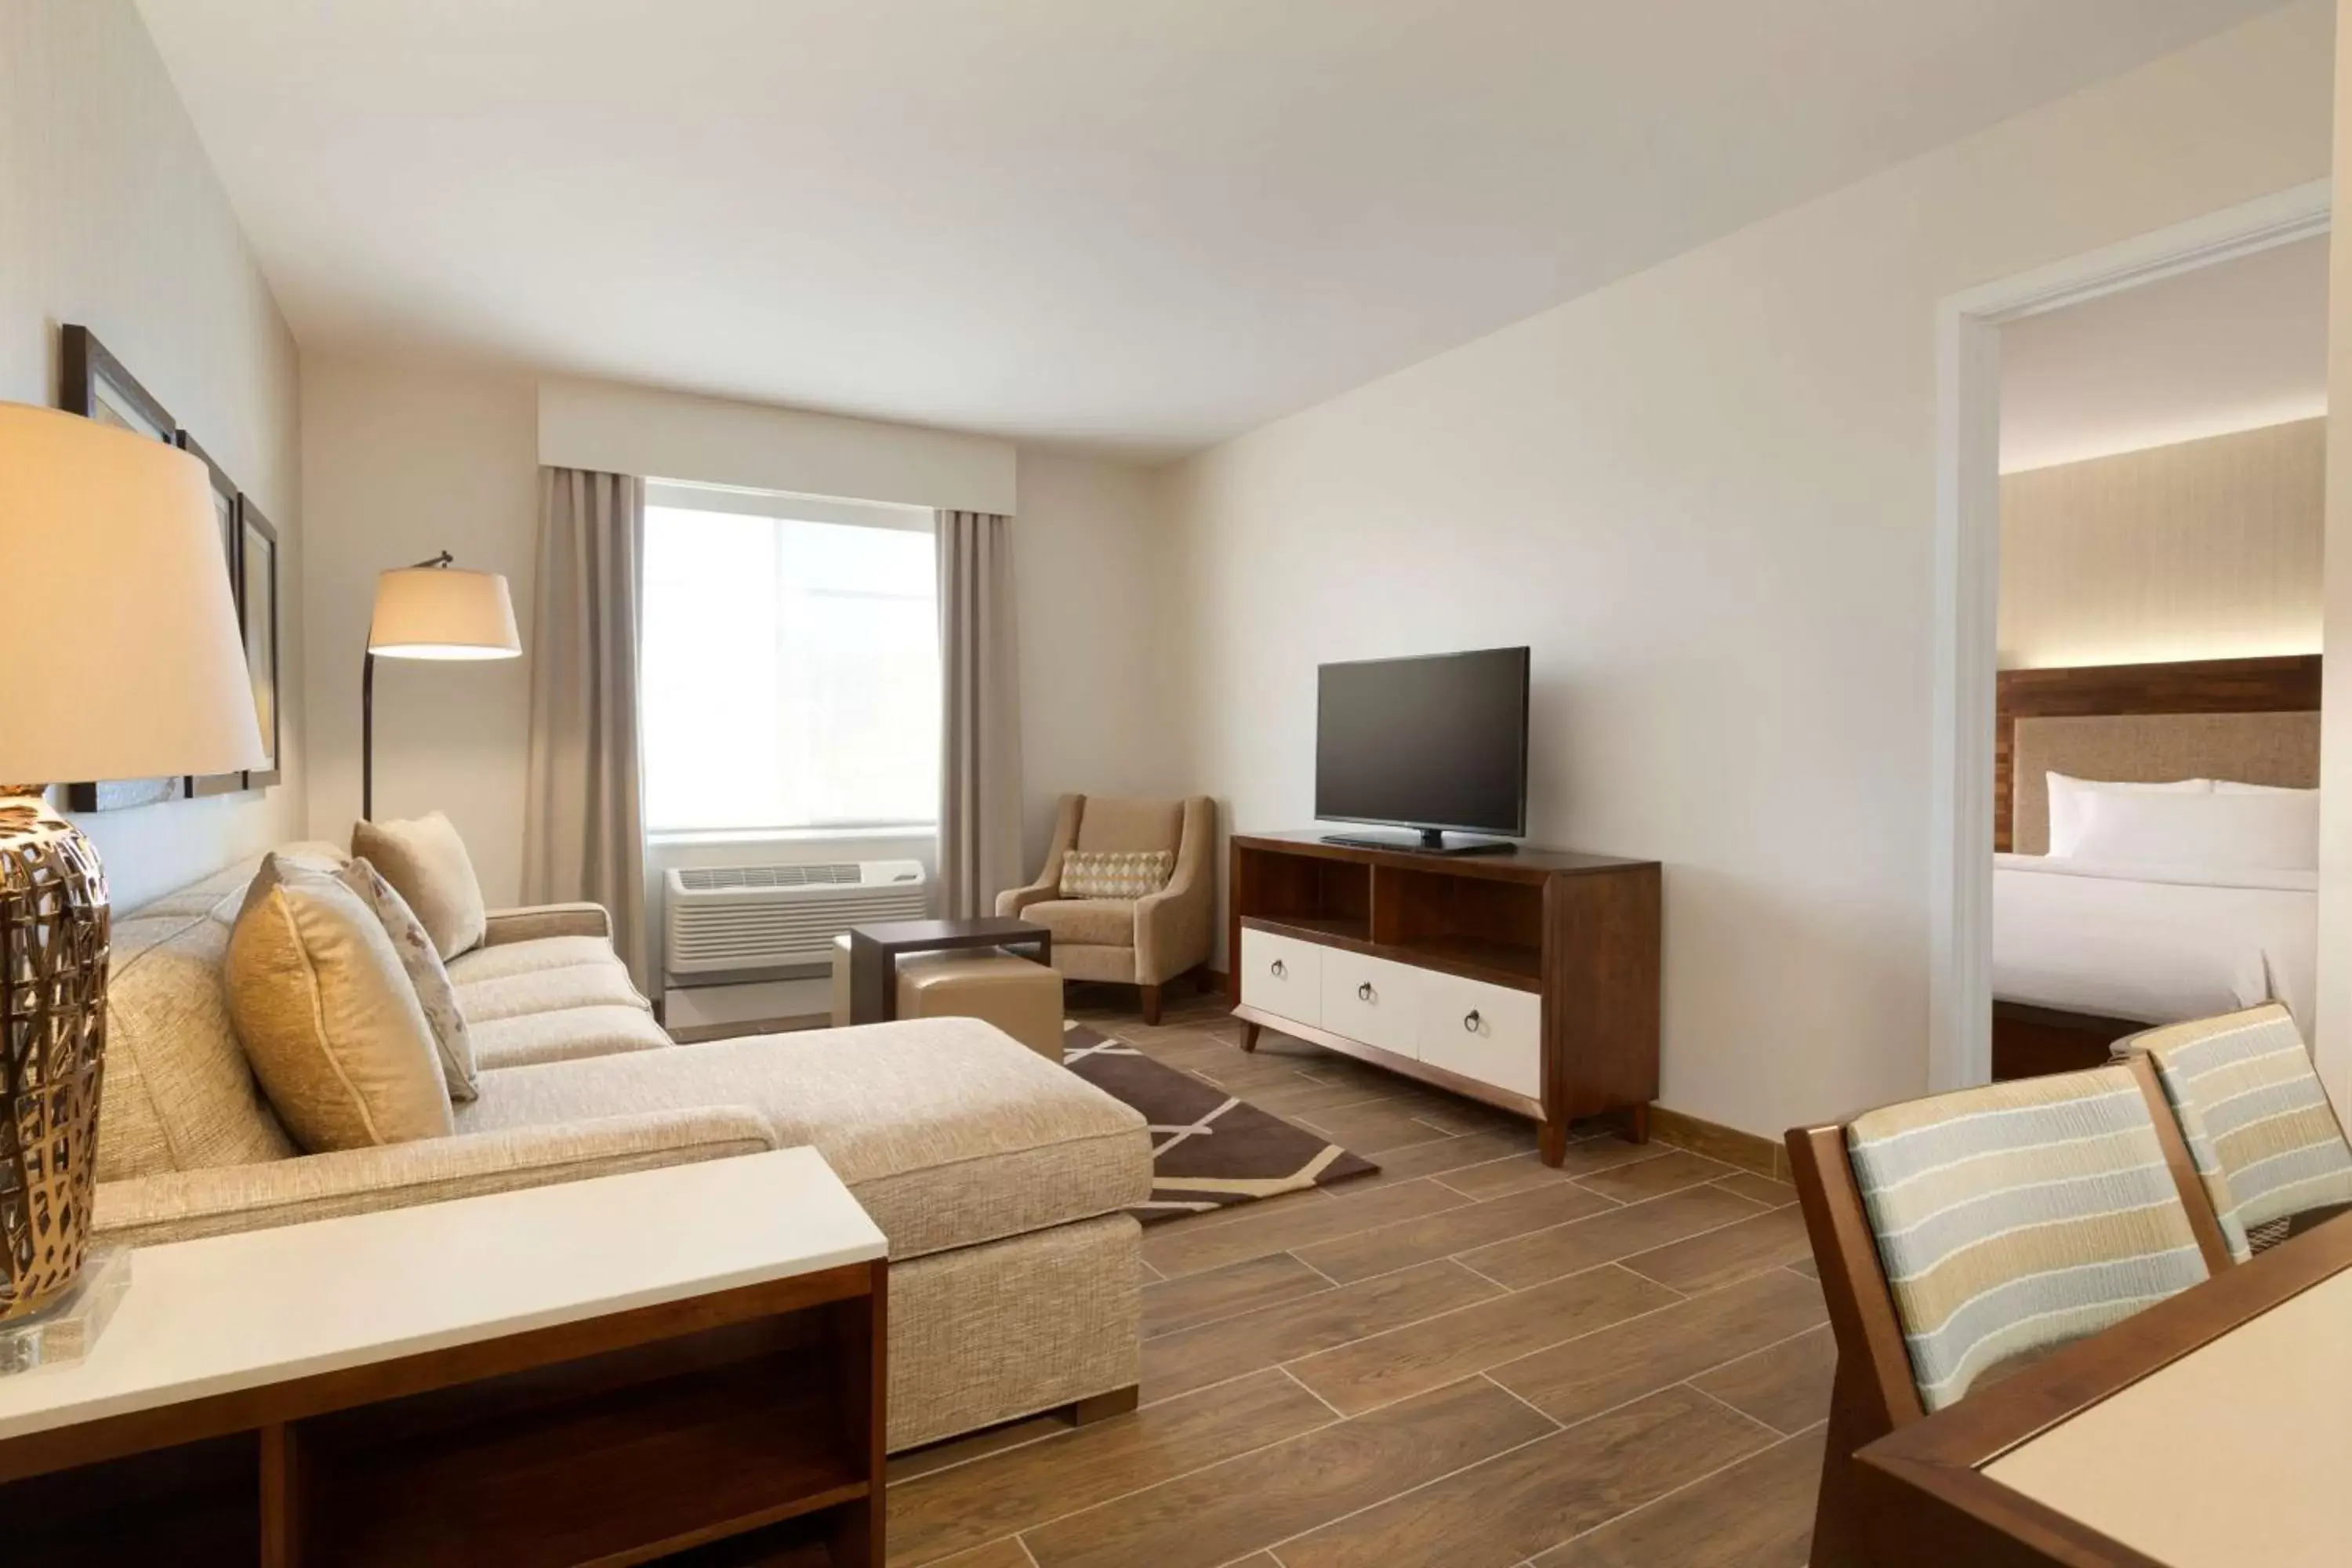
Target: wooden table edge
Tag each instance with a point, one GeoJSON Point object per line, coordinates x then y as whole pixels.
{"type": "Point", "coordinates": [1942, 1457]}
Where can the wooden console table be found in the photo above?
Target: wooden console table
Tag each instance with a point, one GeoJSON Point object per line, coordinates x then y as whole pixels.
{"type": "Point", "coordinates": [604, 1371]}
{"type": "Point", "coordinates": [1528, 980]}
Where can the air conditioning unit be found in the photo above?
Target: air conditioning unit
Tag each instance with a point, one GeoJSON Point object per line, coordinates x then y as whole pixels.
{"type": "Point", "coordinates": [738, 920]}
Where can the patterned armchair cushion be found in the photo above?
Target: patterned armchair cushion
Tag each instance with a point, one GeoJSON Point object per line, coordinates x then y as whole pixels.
{"type": "Point", "coordinates": [1115, 874]}
{"type": "Point", "coordinates": [2256, 1120]}
{"type": "Point", "coordinates": [2018, 1217]}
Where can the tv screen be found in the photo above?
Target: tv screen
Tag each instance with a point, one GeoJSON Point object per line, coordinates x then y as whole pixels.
{"type": "Point", "coordinates": [1436, 741]}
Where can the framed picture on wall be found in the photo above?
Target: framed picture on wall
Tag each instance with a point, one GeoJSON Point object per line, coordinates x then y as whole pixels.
{"type": "Point", "coordinates": [93, 384]}
{"type": "Point", "coordinates": [257, 556]}
{"type": "Point", "coordinates": [224, 518]}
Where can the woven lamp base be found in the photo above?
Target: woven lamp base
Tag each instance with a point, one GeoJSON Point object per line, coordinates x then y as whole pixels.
{"type": "Point", "coordinates": [53, 926]}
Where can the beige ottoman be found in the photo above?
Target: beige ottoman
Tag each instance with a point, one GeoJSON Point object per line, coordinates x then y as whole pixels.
{"type": "Point", "coordinates": [1022, 998]}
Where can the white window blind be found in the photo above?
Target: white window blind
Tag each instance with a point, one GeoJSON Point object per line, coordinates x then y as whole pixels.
{"type": "Point", "coordinates": [790, 667]}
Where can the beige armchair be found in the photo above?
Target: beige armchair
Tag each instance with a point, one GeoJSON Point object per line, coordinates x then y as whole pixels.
{"type": "Point", "coordinates": [1145, 941]}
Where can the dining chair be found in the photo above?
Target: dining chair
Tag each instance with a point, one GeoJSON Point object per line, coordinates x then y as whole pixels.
{"type": "Point", "coordinates": [2265, 1142]}
{"type": "Point", "coordinates": [1959, 1235]}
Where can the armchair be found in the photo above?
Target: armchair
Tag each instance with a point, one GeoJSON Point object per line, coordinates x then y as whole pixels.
{"type": "Point", "coordinates": [1144, 942]}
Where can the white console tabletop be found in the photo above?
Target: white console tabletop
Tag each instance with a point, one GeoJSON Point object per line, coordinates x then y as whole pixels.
{"type": "Point", "coordinates": [234, 1312]}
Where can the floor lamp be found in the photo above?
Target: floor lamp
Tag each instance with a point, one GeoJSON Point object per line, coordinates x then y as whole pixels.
{"type": "Point", "coordinates": [118, 632]}
{"type": "Point", "coordinates": [431, 610]}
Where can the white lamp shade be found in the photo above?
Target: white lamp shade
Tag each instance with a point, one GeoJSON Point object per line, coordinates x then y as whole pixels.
{"type": "Point", "coordinates": [120, 652]}
{"type": "Point", "coordinates": [442, 612]}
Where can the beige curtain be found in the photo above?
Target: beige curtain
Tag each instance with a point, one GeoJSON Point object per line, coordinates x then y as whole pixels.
{"type": "Point", "coordinates": [584, 818]}
{"type": "Point", "coordinates": [980, 739]}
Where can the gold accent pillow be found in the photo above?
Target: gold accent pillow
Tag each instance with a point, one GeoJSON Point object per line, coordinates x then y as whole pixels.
{"type": "Point", "coordinates": [426, 862]}
{"type": "Point", "coordinates": [434, 993]}
{"type": "Point", "coordinates": [1116, 873]}
{"type": "Point", "coordinates": [328, 1018]}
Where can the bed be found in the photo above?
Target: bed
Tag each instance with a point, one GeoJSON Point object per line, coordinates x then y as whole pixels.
{"type": "Point", "coordinates": [2087, 948]}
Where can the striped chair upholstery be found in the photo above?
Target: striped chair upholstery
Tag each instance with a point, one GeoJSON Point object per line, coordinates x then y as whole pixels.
{"type": "Point", "coordinates": [2264, 1139]}
{"type": "Point", "coordinates": [2018, 1217]}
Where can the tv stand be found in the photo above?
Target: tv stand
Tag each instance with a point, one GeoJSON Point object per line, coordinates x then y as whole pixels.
{"type": "Point", "coordinates": [1528, 980]}
{"type": "Point", "coordinates": [1431, 842]}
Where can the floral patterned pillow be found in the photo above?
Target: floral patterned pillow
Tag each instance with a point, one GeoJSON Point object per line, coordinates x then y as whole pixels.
{"type": "Point", "coordinates": [422, 961]}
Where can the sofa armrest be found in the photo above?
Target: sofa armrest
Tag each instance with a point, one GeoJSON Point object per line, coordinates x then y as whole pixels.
{"type": "Point", "coordinates": [182, 1206]}
{"type": "Point", "coordinates": [540, 920]}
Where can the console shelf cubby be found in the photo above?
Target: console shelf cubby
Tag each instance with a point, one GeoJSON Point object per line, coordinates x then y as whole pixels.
{"type": "Point", "coordinates": [1527, 980]}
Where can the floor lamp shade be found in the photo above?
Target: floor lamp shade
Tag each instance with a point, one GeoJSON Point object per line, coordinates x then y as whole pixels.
{"type": "Point", "coordinates": [120, 635]}
{"type": "Point", "coordinates": [431, 610]}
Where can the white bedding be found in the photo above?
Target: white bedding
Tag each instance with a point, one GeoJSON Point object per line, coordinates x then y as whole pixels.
{"type": "Point", "coordinates": [2155, 942]}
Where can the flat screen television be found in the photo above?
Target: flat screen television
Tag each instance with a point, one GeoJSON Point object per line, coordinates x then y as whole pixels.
{"type": "Point", "coordinates": [1434, 744]}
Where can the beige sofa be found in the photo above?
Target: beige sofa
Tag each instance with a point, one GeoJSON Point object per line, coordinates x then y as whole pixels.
{"type": "Point", "coordinates": [1000, 1179]}
{"type": "Point", "coordinates": [1144, 942]}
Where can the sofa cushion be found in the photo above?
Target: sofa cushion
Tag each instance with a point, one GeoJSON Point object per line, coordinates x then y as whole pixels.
{"type": "Point", "coordinates": [564, 1035]}
{"type": "Point", "coordinates": [948, 1132]}
{"type": "Point", "coordinates": [1105, 821]}
{"type": "Point", "coordinates": [1092, 922]}
{"type": "Point", "coordinates": [328, 1018]}
{"type": "Point", "coordinates": [500, 960]}
{"type": "Point", "coordinates": [426, 860]}
{"type": "Point", "coordinates": [596, 984]}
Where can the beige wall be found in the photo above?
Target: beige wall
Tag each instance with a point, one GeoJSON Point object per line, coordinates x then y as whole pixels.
{"type": "Point", "coordinates": [1096, 660]}
{"type": "Point", "coordinates": [1706, 496]}
{"type": "Point", "coordinates": [110, 217]}
{"type": "Point", "coordinates": [2334, 1045]}
{"type": "Point", "coordinates": [2206, 549]}
{"type": "Point", "coordinates": [402, 460]}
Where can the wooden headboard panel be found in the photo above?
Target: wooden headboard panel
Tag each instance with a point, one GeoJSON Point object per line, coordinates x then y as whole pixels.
{"type": "Point", "coordinates": [2286, 685]}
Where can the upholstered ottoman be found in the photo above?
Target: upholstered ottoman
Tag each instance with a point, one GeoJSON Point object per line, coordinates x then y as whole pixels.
{"type": "Point", "coordinates": [1022, 998]}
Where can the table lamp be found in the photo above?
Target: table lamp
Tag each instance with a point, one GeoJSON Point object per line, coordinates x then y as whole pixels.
{"type": "Point", "coordinates": [431, 610]}
{"type": "Point", "coordinates": [120, 635]}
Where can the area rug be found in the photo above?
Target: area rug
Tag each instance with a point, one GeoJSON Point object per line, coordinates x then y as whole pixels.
{"type": "Point", "coordinates": [1209, 1150]}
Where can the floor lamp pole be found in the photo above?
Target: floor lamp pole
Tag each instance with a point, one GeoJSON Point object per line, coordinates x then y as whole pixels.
{"type": "Point", "coordinates": [367, 739]}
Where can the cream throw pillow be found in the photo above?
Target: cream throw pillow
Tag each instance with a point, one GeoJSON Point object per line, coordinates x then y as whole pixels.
{"type": "Point", "coordinates": [434, 993]}
{"type": "Point", "coordinates": [426, 862]}
{"type": "Point", "coordinates": [328, 1018]}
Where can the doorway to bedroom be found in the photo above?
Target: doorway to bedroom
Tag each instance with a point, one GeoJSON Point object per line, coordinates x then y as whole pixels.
{"type": "Point", "coordinates": [2155, 811]}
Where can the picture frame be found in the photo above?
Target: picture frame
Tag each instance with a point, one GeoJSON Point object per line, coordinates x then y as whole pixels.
{"type": "Point", "coordinates": [257, 556]}
{"type": "Point", "coordinates": [95, 385]}
{"type": "Point", "coordinates": [224, 498]}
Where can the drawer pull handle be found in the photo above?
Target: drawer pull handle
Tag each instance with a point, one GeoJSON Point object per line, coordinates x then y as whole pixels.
{"type": "Point", "coordinates": [1279, 970]}
{"type": "Point", "coordinates": [1470, 1020]}
{"type": "Point", "coordinates": [1364, 992]}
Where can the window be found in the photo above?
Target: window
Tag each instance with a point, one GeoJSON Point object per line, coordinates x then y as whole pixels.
{"type": "Point", "coordinates": [791, 664]}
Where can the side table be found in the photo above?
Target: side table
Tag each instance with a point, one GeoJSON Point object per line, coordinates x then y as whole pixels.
{"type": "Point", "coordinates": [874, 952]}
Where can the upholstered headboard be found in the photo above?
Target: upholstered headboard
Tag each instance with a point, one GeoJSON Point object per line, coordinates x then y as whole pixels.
{"type": "Point", "coordinates": [2155, 748]}
{"type": "Point", "coordinates": [2255, 719]}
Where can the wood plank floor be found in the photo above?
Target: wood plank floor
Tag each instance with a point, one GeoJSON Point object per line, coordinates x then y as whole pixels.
{"type": "Point", "coordinates": [1468, 1359]}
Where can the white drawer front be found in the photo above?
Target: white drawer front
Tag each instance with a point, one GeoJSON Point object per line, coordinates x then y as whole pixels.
{"type": "Point", "coordinates": [1283, 975]}
{"type": "Point", "coordinates": [1490, 1033]}
{"type": "Point", "coordinates": [1371, 1000]}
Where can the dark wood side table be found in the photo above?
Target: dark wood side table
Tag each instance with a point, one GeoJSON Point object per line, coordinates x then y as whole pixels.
{"type": "Point", "coordinates": [874, 952]}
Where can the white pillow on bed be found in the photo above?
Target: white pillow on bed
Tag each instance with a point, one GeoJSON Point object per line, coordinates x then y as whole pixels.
{"type": "Point", "coordinates": [2068, 795]}
{"type": "Point", "coordinates": [2231, 787]}
{"type": "Point", "coordinates": [2270, 831]}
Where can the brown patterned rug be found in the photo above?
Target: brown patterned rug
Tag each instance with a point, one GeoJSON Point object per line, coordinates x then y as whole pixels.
{"type": "Point", "coordinates": [1209, 1148]}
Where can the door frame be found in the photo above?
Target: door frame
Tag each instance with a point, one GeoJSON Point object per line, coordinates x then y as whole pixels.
{"type": "Point", "coordinates": [1968, 580]}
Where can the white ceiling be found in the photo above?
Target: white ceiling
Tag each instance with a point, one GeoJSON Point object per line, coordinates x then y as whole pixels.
{"type": "Point", "coordinates": [2230, 347]}
{"type": "Point", "coordinates": [1146, 222]}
